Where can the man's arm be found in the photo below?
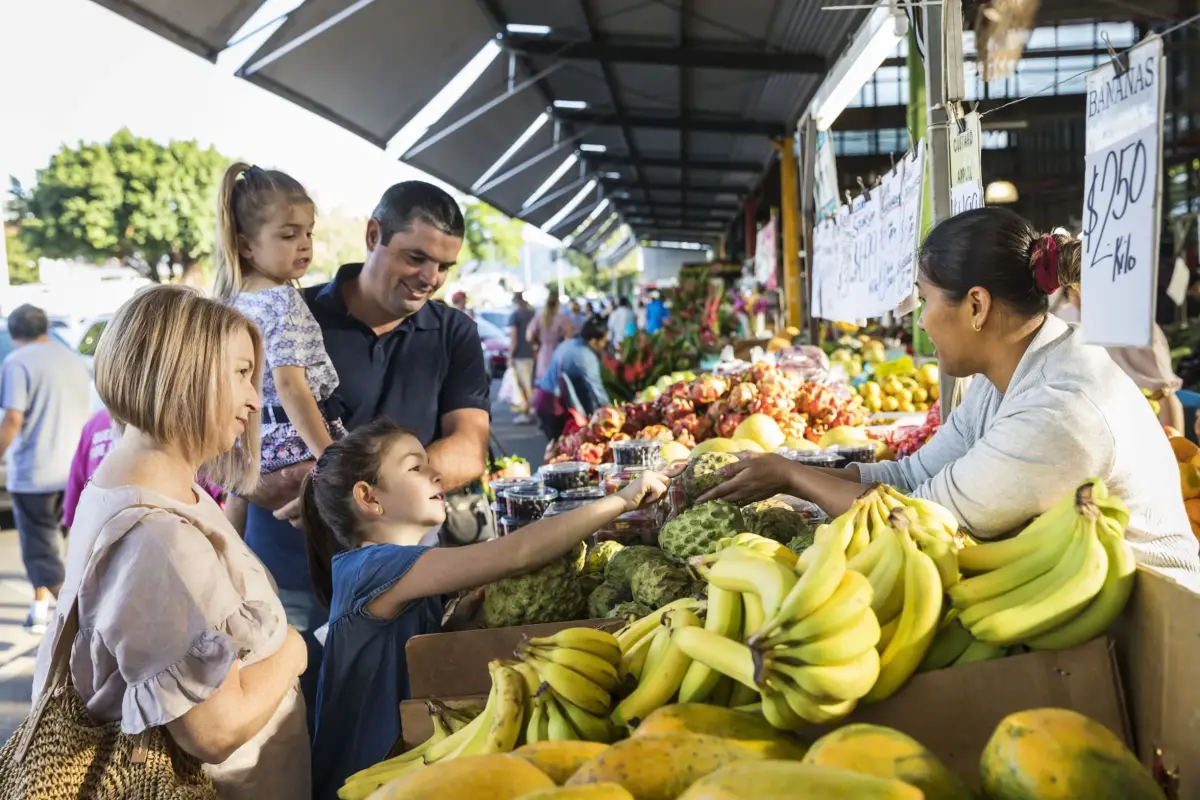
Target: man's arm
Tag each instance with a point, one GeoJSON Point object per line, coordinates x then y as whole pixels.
{"type": "Point", "coordinates": [10, 426]}
{"type": "Point", "coordinates": [461, 454]}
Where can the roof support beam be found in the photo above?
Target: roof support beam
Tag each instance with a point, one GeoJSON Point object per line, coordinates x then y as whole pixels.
{"type": "Point", "coordinates": [529, 162]}
{"type": "Point", "coordinates": [707, 208]}
{"type": "Point", "coordinates": [747, 127]}
{"type": "Point", "coordinates": [670, 55]}
{"type": "Point", "coordinates": [697, 164]}
{"type": "Point", "coordinates": [709, 188]}
{"type": "Point", "coordinates": [308, 35]}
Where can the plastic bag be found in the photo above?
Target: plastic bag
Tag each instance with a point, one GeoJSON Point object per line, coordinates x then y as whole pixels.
{"type": "Point", "coordinates": [510, 389]}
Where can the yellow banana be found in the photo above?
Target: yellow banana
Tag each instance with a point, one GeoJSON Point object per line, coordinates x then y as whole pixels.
{"type": "Point", "coordinates": [939, 515]}
{"type": "Point", "coordinates": [574, 687]}
{"type": "Point", "coordinates": [887, 578]}
{"type": "Point", "coordinates": [814, 709]}
{"type": "Point", "coordinates": [1043, 531]}
{"type": "Point", "coordinates": [846, 681]}
{"type": "Point", "coordinates": [865, 561]}
{"type": "Point", "coordinates": [918, 623]}
{"type": "Point", "coordinates": [658, 685]}
{"type": "Point", "coordinates": [537, 726]}
{"type": "Point", "coordinates": [943, 553]}
{"type": "Point", "coordinates": [722, 655]}
{"type": "Point", "coordinates": [460, 738]}
{"type": "Point", "coordinates": [813, 588]}
{"type": "Point", "coordinates": [841, 529]}
{"type": "Point", "coordinates": [558, 725]}
{"type": "Point", "coordinates": [597, 642]}
{"type": "Point", "coordinates": [764, 546]}
{"type": "Point", "coordinates": [631, 633]}
{"type": "Point", "coordinates": [1070, 563]}
{"type": "Point", "coordinates": [980, 651]}
{"type": "Point", "coordinates": [948, 644]}
{"type": "Point", "coordinates": [887, 632]}
{"type": "Point", "coordinates": [970, 591]}
{"type": "Point", "coordinates": [590, 727]}
{"type": "Point", "coordinates": [737, 572]}
{"type": "Point", "coordinates": [1015, 625]}
{"type": "Point", "coordinates": [1110, 505]}
{"type": "Point", "coordinates": [852, 596]}
{"type": "Point", "coordinates": [752, 619]}
{"type": "Point", "coordinates": [504, 728]}
{"type": "Point", "coordinates": [634, 661]}
{"type": "Point", "coordinates": [845, 644]}
{"type": "Point", "coordinates": [777, 711]}
{"type": "Point", "coordinates": [1111, 600]}
{"type": "Point", "coordinates": [861, 536]}
{"type": "Point", "coordinates": [592, 667]}
{"type": "Point", "coordinates": [724, 619]}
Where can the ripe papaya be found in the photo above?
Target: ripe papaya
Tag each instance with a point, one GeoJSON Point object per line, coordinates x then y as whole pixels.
{"type": "Point", "coordinates": [790, 780]}
{"type": "Point", "coordinates": [888, 753]}
{"type": "Point", "coordinates": [662, 766]}
{"type": "Point", "coordinates": [487, 777]}
{"type": "Point", "coordinates": [1058, 754]}
{"type": "Point", "coordinates": [713, 720]}
{"type": "Point", "coordinates": [559, 760]}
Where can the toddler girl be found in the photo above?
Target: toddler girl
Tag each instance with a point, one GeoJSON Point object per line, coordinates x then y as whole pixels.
{"type": "Point", "coordinates": [264, 244]}
{"type": "Point", "coordinates": [365, 507]}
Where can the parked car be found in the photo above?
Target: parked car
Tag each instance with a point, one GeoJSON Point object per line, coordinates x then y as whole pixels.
{"type": "Point", "coordinates": [495, 346]}
{"type": "Point", "coordinates": [497, 316]}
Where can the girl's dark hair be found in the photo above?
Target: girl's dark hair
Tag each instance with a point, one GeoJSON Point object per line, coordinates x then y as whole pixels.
{"type": "Point", "coordinates": [327, 506]}
{"type": "Point", "coordinates": [998, 250]}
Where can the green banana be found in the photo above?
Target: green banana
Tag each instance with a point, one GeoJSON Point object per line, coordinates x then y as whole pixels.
{"type": "Point", "coordinates": [987, 585]}
{"type": "Point", "coordinates": [659, 684]}
{"type": "Point", "coordinates": [980, 651]}
{"type": "Point", "coordinates": [948, 644]}
{"type": "Point", "coordinates": [724, 619]}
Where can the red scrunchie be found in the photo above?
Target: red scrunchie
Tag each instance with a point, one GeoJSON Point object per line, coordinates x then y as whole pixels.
{"type": "Point", "coordinates": [1045, 264]}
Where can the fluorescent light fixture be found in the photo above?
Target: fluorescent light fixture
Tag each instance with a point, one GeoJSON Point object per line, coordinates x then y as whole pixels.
{"type": "Point", "coordinates": [590, 218]}
{"type": "Point", "coordinates": [442, 102]}
{"type": "Point", "coordinates": [885, 27]}
{"type": "Point", "coordinates": [571, 205]}
{"type": "Point", "coordinates": [254, 33]}
{"type": "Point", "coordinates": [574, 105]}
{"type": "Point", "coordinates": [569, 162]}
{"type": "Point", "coordinates": [528, 30]}
{"type": "Point", "coordinates": [611, 175]}
{"type": "Point", "coordinates": [593, 148]}
{"type": "Point", "coordinates": [534, 127]}
{"type": "Point", "coordinates": [673, 245]}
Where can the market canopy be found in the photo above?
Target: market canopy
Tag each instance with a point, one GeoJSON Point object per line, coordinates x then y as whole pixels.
{"type": "Point", "coordinates": [661, 111]}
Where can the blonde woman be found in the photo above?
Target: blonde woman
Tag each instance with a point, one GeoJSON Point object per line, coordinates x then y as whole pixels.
{"type": "Point", "coordinates": [179, 624]}
{"type": "Point", "coordinates": [546, 332]}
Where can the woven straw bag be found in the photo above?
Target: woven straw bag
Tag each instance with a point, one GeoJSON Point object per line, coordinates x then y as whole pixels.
{"type": "Point", "coordinates": [60, 752]}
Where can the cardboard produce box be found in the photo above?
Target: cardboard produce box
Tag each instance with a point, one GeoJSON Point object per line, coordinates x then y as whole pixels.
{"type": "Point", "coordinates": [1142, 683]}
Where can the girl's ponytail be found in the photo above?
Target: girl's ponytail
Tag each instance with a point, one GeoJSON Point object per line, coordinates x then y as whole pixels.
{"type": "Point", "coordinates": [321, 543]}
{"type": "Point", "coordinates": [228, 262]}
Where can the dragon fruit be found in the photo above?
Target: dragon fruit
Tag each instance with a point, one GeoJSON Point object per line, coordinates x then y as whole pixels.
{"type": "Point", "coordinates": [759, 371]}
{"type": "Point", "coordinates": [660, 432]}
{"type": "Point", "coordinates": [590, 452]}
{"type": "Point", "coordinates": [605, 422]}
{"type": "Point", "coordinates": [793, 426]}
{"type": "Point", "coordinates": [675, 390]}
{"type": "Point", "coordinates": [774, 403]}
{"type": "Point", "coordinates": [741, 396]}
{"type": "Point", "coordinates": [639, 415]}
{"type": "Point", "coordinates": [684, 437]}
{"type": "Point", "coordinates": [729, 422]}
{"type": "Point", "coordinates": [676, 408]}
{"type": "Point", "coordinates": [707, 389]}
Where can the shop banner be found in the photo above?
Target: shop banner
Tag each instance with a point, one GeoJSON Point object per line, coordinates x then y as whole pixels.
{"type": "Point", "coordinates": [765, 251]}
{"type": "Point", "coordinates": [966, 171]}
{"type": "Point", "coordinates": [1122, 197]}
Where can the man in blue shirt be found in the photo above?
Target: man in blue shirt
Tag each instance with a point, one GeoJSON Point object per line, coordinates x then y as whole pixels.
{"type": "Point", "coordinates": [573, 379]}
{"type": "Point", "coordinates": [398, 356]}
{"type": "Point", "coordinates": [656, 314]}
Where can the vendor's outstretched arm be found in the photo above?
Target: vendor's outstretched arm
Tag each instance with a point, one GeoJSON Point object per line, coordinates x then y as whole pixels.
{"type": "Point", "coordinates": [761, 476]}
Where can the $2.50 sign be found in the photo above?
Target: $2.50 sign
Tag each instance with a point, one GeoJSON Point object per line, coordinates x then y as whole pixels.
{"type": "Point", "coordinates": [1122, 197]}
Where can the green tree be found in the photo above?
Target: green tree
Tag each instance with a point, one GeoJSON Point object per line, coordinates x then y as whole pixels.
{"type": "Point", "coordinates": [338, 238]}
{"type": "Point", "coordinates": [151, 206]}
{"type": "Point", "coordinates": [491, 235]}
{"type": "Point", "coordinates": [22, 265]}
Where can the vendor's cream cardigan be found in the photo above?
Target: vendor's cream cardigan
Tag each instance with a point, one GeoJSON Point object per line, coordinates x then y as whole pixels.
{"type": "Point", "coordinates": [1070, 413]}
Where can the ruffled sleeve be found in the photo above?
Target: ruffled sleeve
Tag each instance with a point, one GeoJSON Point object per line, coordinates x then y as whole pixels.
{"type": "Point", "coordinates": [168, 619]}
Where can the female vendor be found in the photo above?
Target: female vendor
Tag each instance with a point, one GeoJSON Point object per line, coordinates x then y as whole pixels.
{"type": "Point", "coordinates": [1044, 413]}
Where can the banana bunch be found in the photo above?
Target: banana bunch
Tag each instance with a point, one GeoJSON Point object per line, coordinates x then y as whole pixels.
{"type": "Point", "coordinates": [569, 678]}
{"type": "Point", "coordinates": [1057, 584]}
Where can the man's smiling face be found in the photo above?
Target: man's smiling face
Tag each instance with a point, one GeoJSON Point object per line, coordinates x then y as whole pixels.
{"type": "Point", "coordinates": [406, 272]}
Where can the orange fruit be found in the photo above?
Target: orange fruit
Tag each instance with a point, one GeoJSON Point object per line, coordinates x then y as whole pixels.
{"type": "Point", "coordinates": [1184, 449]}
{"type": "Point", "coordinates": [1189, 481]}
{"type": "Point", "coordinates": [1196, 530]}
{"type": "Point", "coordinates": [1193, 510]}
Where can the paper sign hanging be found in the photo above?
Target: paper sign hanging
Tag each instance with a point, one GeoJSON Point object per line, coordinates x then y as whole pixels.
{"type": "Point", "coordinates": [765, 251]}
{"type": "Point", "coordinates": [1122, 197]}
{"type": "Point", "coordinates": [966, 171]}
{"type": "Point", "coordinates": [825, 178]}
{"type": "Point", "coordinates": [910, 229]}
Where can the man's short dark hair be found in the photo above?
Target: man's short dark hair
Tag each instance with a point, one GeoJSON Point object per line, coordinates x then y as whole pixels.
{"type": "Point", "coordinates": [594, 328]}
{"type": "Point", "coordinates": [623, 302]}
{"type": "Point", "coordinates": [27, 323]}
{"type": "Point", "coordinates": [417, 201]}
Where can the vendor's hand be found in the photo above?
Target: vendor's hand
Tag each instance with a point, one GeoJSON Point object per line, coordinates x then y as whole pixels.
{"type": "Point", "coordinates": [755, 477]}
{"type": "Point", "coordinates": [290, 513]}
{"type": "Point", "coordinates": [278, 490]}
{"type": "Point", "coordinates": [648, 488]}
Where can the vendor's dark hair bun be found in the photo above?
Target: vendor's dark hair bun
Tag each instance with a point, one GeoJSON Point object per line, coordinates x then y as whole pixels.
{"type": "Point", "coordinates": [998, 250]}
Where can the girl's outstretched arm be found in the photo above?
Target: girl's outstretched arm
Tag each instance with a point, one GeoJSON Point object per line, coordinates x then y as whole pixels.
{"type": "Point", "coordinates": [448, 569]}
{"type": "Point", "coordinates": [302, 408]}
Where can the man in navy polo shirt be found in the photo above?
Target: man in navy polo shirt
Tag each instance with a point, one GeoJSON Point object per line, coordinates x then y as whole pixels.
{"type": "Point", "coordinates": [397, 356]}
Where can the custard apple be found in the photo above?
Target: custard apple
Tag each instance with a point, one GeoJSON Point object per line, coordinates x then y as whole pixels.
{"type": "Point", "coordinates": [552, 593]}
{"type": "Point", "coordinates": [657, 583]}
{"type": "Point", "coordinates": [774, 519]}
{"type": "Point", "coordinates": [803, 540]}
{"type": "Point", "coordinates": [696, 531]}
{"type": "Point", "coordinates": [620, 567]}
{"type": "Point", "coordinates": [590, 582]}
{"type": "Point", "coordinates": [599, 556]}
{"type": "Point", "coordinates": [630, 610]}
{"type": "Point", "coordinates": [605, 598]}
{"type": "Point", "coordinates": [700, 474]}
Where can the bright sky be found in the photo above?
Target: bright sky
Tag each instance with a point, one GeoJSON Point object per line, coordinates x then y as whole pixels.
{"type": "Point", "coordinates": [74, 70]}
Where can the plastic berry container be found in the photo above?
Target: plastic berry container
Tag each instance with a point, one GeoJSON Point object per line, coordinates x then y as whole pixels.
{"type": "Point", "coordinates": [585, 495]}
{"type": "Point", "coordinates": [618, 479]}
{"type": "Point", "coordinates": [510, 525]}
{"type": "Point", "coordinates": [854, 455]}
{"type": "Point", "coordinates": [529, 503]}
{"type": "Point", "coordinates": [563, 506]}
{"type": "Point", "coordinates": [813, 458]}
{"type": "Point", "coordinates": [502, 485]}
{"type": "Point", "coordinates": [567, 475]}
{"type": "Point", "coordinates": [637, 453]}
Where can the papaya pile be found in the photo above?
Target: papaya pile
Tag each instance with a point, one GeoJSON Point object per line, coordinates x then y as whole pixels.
{"type": "Point", "coordinates": [696, 751]}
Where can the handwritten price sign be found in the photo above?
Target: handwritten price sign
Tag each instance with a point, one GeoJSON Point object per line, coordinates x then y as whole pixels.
{"type": "Point", "coordinates": [966, 172]}
{"type": "Point", "coordinates": [1122, 197]}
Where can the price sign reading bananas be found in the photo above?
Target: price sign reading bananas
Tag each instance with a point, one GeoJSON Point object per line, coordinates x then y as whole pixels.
{"type": "Point", "coordinates": [1122, 196]}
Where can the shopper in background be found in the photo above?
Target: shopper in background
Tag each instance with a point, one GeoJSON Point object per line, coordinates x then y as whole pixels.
{"type": "Point", "coordinates": [45, 394]}
{"type": "Point", "coordinates": [179, 624]}
{"type": "Point", "coordinates": [577, 314]}
{"type": "Point", "coordinates": [621, 324]}
{"type": "Point", "coordinates": [1044, 411]}
{"type": "Point", "coordinates": [656, 313]}
{"type": "Point", "coordinates": [573, 379]}
{"type": "Point", "coordinates": [367, 505]}
{"type": "Point", "coordinates": [546, 331]}
{"type": "Point", "coordinates": [521, 354]}
{"type": "Point", "coordinates": [459, 301]}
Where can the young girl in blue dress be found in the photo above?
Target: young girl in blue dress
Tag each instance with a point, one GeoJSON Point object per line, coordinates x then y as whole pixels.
{"type": "Point", "coordinates": [371, 498]}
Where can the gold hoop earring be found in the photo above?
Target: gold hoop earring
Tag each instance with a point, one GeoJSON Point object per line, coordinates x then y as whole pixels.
{"type": "Point", "coordinates": [378, 509]}
{"type": "Point", "coordinates": [977, 327]}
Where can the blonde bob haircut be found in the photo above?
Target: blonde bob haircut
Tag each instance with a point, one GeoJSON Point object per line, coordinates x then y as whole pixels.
{"type": "Point", "coordinates": [161, 367]}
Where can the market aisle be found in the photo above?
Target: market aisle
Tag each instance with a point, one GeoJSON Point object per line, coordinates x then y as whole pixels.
{"type": "Point", "coordinates": [18, 649]}
{"type": "Point", "coordinates": [518, 440]}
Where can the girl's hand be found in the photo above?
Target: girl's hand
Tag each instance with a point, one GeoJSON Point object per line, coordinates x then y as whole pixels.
{"type": "Point", "coordinates": [647, 489]}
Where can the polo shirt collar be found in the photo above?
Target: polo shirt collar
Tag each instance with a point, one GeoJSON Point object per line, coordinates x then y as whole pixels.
{"type": "Point", "coordinates": [427, 319]}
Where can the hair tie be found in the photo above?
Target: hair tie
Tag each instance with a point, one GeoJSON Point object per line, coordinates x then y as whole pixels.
{"type": "Point", "coordinates": [252, 171]}
{"type": "Point", "coordinates": [1045, 264]}
{"type": "Point", "coordinates": [313, 475]}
